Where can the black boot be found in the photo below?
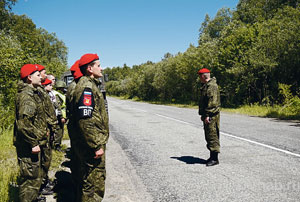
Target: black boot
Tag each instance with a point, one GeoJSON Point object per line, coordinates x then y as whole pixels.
{"type": "Point", "coordinates": [210, 157]}
{"type": "Point", "coordinates": [213, 160]}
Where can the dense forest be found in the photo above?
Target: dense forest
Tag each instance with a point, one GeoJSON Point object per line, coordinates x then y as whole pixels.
{"type": "Point", "coordinates": [22, 42]}
{"type": "Point", "coordinates": [253, 51]}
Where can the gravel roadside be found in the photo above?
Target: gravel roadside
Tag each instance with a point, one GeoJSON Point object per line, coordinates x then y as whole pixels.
{"type": "Point", "coordinates": [122, 183]}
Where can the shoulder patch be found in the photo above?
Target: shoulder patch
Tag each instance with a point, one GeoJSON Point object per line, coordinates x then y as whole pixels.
{"type": "Point", "coordinates": [28, 108]}
{"type": "Point", "coordinates": [86, 104]}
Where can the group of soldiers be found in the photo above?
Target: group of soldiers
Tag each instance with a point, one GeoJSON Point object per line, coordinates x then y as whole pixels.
{"type": "Point", "coordinates": [39, 117]}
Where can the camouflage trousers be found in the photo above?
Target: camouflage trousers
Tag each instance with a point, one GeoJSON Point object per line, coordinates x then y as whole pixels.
{"type": "Point", "coordinates": [212, 134]}
{"type": "Point", "coordinates": [30, 174]}
{"type": "Point", "coordinates": [93, 179]}
{"type": "Point", "coordinates": [75, 166]}
{"type": "Point", "coordinates": [46, 157]}
{"type": "Point", "coordinates": [76, 169]}
{"type": "Point", "coordinates": [59, 135]}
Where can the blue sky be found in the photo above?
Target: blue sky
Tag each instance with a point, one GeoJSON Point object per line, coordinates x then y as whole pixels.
{"type": "Point", "coordinates": [122, 31]}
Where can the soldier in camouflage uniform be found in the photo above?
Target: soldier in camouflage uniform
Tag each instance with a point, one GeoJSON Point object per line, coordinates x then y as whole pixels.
{"type": "Point", "coordinates": [30, 132]}
{"type": "Point", "coordinates": [92, 120]}
{"type": "Point", "coordinates": [61, 101]}
{"type": "Point", "coordinates": [52, 127]}
{"type": "Point", "coordinates": [209, 110]}
{"type": "Point", "coordinates": [73, 128]}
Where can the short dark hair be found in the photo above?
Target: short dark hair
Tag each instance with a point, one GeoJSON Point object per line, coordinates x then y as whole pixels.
{"type": "Point", "coordinates": [84, 67]}
{"type": "Point", "coordinates": [25, 78]}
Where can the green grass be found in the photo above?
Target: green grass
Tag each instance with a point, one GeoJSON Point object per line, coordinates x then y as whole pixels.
{"type": "Point", "coordinates": [9, 168]}
{"type": "Point", "coordinates": [276, 111]}
{"type": "Point", "coordinates": [57, 157]}
{"type": "Point", "coordinates": [252, 110]}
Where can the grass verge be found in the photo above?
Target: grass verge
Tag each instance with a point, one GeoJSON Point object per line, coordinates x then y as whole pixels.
{"type": "Point", "coordinates": [9, 169]}
{"type": "Point", "coordinates": [276, 111]}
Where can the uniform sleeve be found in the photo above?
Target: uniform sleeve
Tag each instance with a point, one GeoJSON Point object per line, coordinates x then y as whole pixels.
{"type": "Point", "coordinates": [25, 124]}
{"type": "Point", "coordinates": [213, 100]}
{"type": "Point", "coordinates": [69, 100]}
{"type": "Point", "coordinates": [94, 135]}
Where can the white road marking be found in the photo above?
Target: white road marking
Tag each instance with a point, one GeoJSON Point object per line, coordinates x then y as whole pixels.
{"type": "Point", "coordinates": [261, 144]}
{"type": "Point", "coordinates": [239, 138]}
{"type": "Point", "coordinates": [228, 135]}
{"type": "Point", "coordinates": [174, 119]}
{"type": "Point", "coordinates": [141, 110]}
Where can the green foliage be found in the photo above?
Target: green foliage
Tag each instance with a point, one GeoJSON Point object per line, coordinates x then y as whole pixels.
{"type": "Point", "coordinates": [291, 103]}
{"type": "Point", "coordinates": [11, 58]}
{"type": "Point", "coordinates": [250, 51]}
{"type": "Point", "coordinates": [20, 43]}
{"type": "Point", "coordinates": [213, 28]}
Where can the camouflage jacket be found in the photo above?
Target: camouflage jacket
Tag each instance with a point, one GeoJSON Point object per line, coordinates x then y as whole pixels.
{"type": "Point", "coordinates": [69, 99]}
{"type": "Point", "coordinates": [49, 111]}
{"type": "Point", "coordinates": [91, 116]}
{"type": "Point", "coordinates": [209, 101]}
{"type": "Point", "coordinates": [30, 128]}
{"type": "Point", "coordinates": [72, 127]}
{"type": "Point", "coordinates": [61, 101]}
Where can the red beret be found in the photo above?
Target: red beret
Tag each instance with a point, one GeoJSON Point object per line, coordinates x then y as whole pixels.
{"type": "Point", "coordinates": [46, 82]}
{"type": "Point", "coordinates": [75, 66]}
{"type": "Point", "coordinates": [87, 58]}
{"type": "Point", "coordinates": [28, 69]}
{"type": "Point", "coordinates": [41, 67]}
{"type": "Point", "coordinates": [203, 70]}
{"type": "Point", "coordinates": [75, 70]}
{"type": "Point", "coordinates": [77, 74]}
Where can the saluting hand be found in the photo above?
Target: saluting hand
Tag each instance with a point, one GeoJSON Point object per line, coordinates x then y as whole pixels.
{"type": "Point", "coordinates": [99, 153]}
{"type": "Point", "coordinates": [36, 149]}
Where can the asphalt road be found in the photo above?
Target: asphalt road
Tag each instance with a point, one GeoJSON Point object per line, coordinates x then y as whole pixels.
{"type": "Point", "coordinates": [157, 153]}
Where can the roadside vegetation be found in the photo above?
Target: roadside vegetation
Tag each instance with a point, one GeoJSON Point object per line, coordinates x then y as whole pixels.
{"type": "Point", "coordinates": [288, 110]}
{"type": "Point", "coordinates": [9, 169]}
{"type": "Point", "coordinates": [253, 52]}
{"type": "Point", "coordinates": [21, 42]}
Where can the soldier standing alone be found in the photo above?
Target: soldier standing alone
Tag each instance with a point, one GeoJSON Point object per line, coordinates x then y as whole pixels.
{"type": "Point", "coordinates": [209, 110]}
{"type": "Point", "coordinates": [92, 120]}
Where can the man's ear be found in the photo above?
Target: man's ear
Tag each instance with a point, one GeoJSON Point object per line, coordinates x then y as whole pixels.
{"type": "Point", "coordinates": [29, 78]}
{"type": "Point", "coordinates": [89, 69]}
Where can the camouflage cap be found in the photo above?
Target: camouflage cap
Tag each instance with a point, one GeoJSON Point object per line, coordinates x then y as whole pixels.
{"type": "Point", "coordinates": [60, 84]}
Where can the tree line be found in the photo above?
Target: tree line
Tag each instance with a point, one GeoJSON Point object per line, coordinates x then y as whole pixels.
{"type": "Point", "coordinates": [253, 51]}
{"type": "Point", "coordinates": [22, 42]}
